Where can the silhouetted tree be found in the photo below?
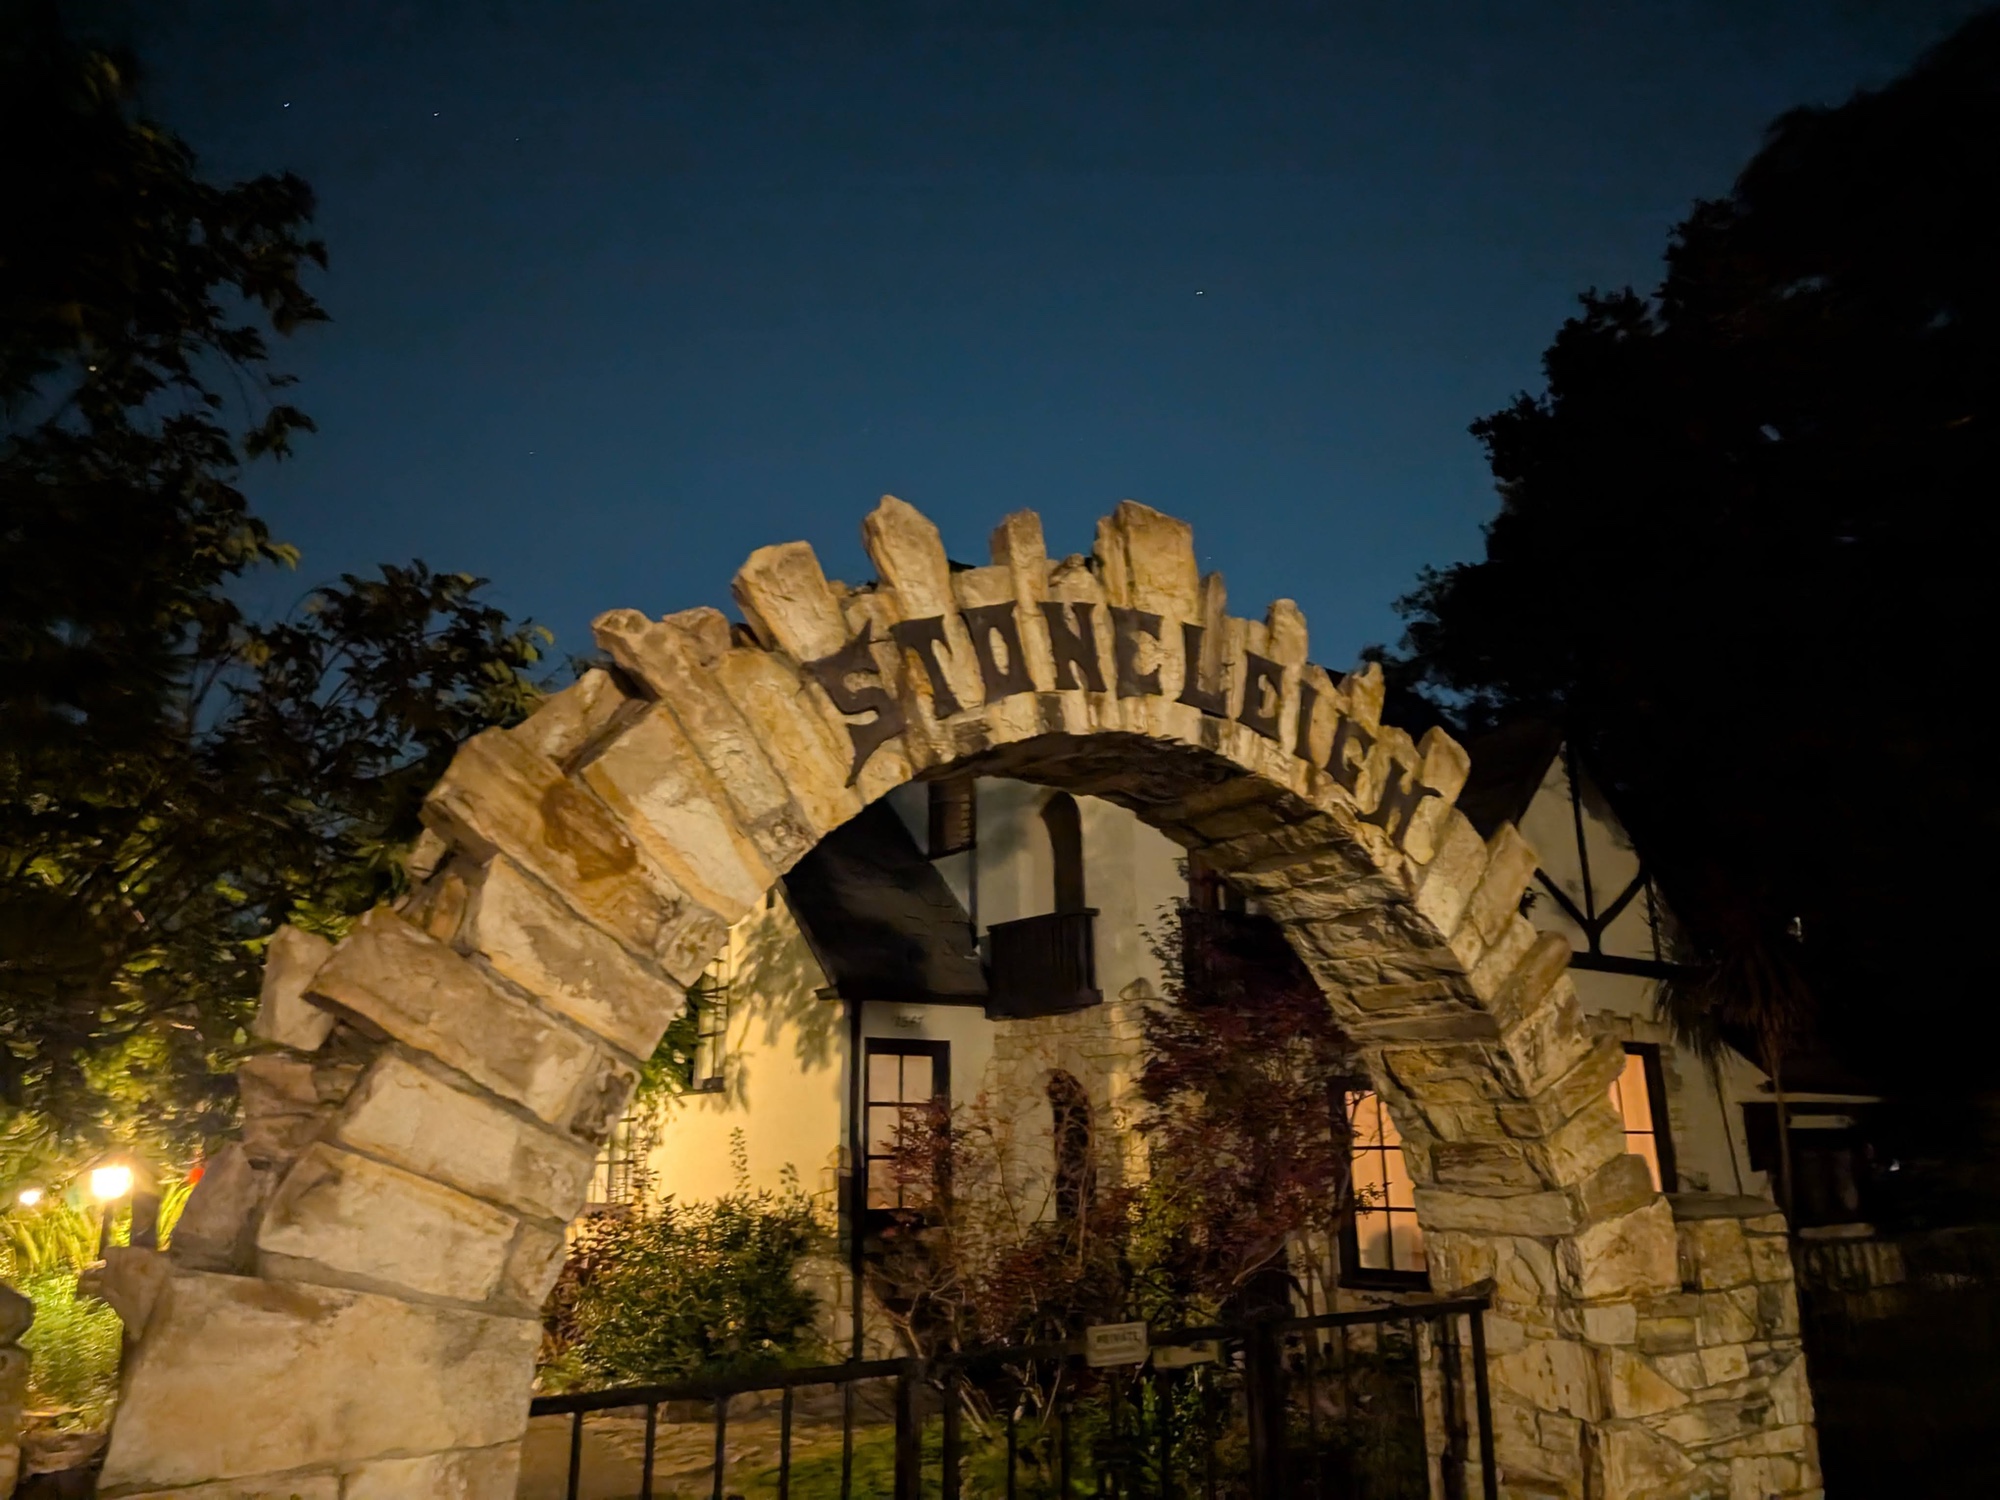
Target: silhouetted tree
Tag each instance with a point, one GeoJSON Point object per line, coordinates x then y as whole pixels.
{"type": "Point", "coordinates": [1743, 558]}
{"type": "Point", "coordinates": [176, 778]}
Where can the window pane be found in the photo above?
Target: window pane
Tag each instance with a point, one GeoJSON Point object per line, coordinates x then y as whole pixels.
{"type": "Point", "coordinates": [1396, 1179]}
{"type": "Point", "coordinates": [1391, 1136]}
{"type": "Point", "coordinates": [1371, 1234]}
{"type": "Point", "coordinates": [1370, 1185]}
{"type": "Point", "coordinates": [1407, 1242]}
{"type": "Point", "coordinates": [882, 1123]}
{"type": "Point", "coordinates": [918, 1076]}
{"type": "Point", "coordinates": [1647, 1148]}
{"type": "Point", "coordinates": [1629, 1094]}
{"type": "Point", "coordinates": [881, 1185]}
{"type": "Point", "coordinates": [885, 1077]}
{"type": "Point", "coordinates": [1365, 1116]}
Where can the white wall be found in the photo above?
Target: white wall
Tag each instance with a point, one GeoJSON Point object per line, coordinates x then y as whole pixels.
{"type": "Point", "coordinates": [1711, 1152]}
{"type": "Point", "coordinates": [785, 1081]}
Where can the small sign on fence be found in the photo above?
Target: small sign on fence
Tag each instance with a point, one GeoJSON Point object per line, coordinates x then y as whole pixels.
{"type": "Point", "coordinates": [1180, 1356]}
{"type": "Point", "coordinates": [1115, 1344]}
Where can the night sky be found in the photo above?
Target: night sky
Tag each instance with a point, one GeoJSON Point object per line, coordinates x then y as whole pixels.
{"type": "Point", "coordinates": [622, 291]}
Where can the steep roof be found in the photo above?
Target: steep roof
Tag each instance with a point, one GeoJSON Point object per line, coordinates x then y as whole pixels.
{"type": "Point", "coordinates": [1508, 766]}
{"type": "Point", "coordinates": [881, 920]}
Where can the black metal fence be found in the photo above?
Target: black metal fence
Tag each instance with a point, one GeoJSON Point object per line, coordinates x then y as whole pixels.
{"type": "Point", "coordinates": [1382, 1404]}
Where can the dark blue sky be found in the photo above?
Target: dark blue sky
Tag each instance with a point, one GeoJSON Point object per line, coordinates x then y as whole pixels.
{"type": "Point", "coordinates": [621, 291]}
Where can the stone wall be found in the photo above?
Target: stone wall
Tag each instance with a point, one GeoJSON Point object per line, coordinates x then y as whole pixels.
{"type": "Point", "coordinates": [350, 1307]}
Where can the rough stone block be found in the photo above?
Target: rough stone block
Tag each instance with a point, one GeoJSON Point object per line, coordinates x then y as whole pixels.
{"type": "Point", "coordinates": [477, 1474]}
{"type": "Point", "coordinates": [1636, 1389]}
{"type": "Point", "coordinates": [1617, 1187]}
{"type": "Point", "coordinates": [1638, 1462]}
{"type": "Point", "coordinates": [723, 758]}
{"type": "Point", "coordinates": [129, 1281]}
{"type": "Point", "coordinates": [651, 777]}
{"type": "Point", "coordinates": [423, 1124]}
{"type": "Point", "coordinates": [786, 600]}
{"type": "Point", "coordinates": [1579, 1149]}
{"type": "Point", "coordinates": [909, 553]}
{"type": "Point", "coordinates": [1499, 960]}
{"type": "Point", "coordinates": [284, 1015]}
{"type": "Point", "coordinates": [1449, 878]}
{"type": "Point", "coordinates": [1531, 1214]}
{"type": "Point", "coordinates": [1770, 1257]}
{"type": "Point", "coordinates": [1552, 1374]}
{"type": "Point", "coordinates": [565, 723]}
{"type": "Point", "coordinates": [217, 1230]}
{"type": "Point", "coordinates": [315, 1485]}
{"type": "Point", "coordinates": [500, 797]}
{"type": "Point", "coordinates": [1729, 1317]}
{"type": "Point", "coordinates": [1724, 1363]}
{"type": "Point", "coordinates": [1629, 1256]}
{"type": "Point", "coordinates": [1715, 1249]}
{"type": "Point", "coordinates": [314, 1375]}
{"type": "Point", "coordinates": [1778, 1309]}
{"type": "Point", "coordinates": [810, 747]}
{"type": "Point", "coordinates": [1582, 1087]}
{"type": "Point", "coordinates": [531, 938]}
{"type": "Point", "coordinates": [1616, 1324]}
{"type": "Point", "coordinates": [347, 1216]}
{"type": "Point", "coordinates": [424, 995]}
{"type": "Point", "coordinates": [1510, 864]}
{"type": "Point", "coordinates": [282, 1109]}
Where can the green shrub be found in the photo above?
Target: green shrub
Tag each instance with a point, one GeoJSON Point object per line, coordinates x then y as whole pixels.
{"type": "Point", "coordinates": [74, 1344]}
{"type": "Point", "coordinates": [684, 1289]}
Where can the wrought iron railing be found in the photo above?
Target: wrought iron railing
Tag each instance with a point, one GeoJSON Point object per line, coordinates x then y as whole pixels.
{"type": "Point", "coordinates": [1386, 1403]}
{"type": "Point", "coordinates": [1043, 966]}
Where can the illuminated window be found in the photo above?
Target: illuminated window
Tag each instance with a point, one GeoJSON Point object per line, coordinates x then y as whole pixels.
{"type": "Point", "coordinates": [1640, 1099]}
{"type": "Point", "coordinates": [709, 1000]}
{"type": "Point", "coordinates": [904, 1081]}
{"type": "Point", "coordinates": [1382, 1241]}
{"type": "Point", "coordinates": [615, 1178]}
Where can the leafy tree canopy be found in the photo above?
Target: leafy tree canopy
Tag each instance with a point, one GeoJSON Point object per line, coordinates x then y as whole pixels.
{"type": "Point", "coordinates": [1743, 559]}
{"type": "Point", "coordinates": [176, 778]}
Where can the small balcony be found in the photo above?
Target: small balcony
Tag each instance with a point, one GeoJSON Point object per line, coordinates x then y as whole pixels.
{"type": "Point", "coordinates": [1043, 966]}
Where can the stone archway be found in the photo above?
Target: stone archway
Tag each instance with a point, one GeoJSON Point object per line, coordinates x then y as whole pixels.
{"type": "Point", "coordinates": [351, 1308]}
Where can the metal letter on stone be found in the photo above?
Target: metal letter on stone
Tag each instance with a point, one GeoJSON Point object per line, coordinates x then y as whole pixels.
{"type": "Point", "coordinates": [857, 659]}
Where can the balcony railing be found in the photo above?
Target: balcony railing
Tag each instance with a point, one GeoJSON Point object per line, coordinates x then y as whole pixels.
{"type": "Point", "coordinates": [1043, 966]}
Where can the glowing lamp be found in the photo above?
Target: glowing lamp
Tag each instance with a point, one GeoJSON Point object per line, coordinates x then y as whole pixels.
{"type": "Point", "coordinates": [28, 1197]}
{"type": "Point", "coordinates": [107, 1183]}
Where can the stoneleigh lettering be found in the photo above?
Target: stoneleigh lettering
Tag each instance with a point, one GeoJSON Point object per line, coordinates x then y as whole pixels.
{"type": "Point", "coordinates": [1003, 670]}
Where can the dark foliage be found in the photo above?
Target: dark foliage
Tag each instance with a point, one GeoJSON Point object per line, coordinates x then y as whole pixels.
{"type": "Point", "coordinates": [1742, 559]}
{"type": "Point", "coordinates": [1245, 1072]}
{"type": "Point", "coordinates": [175, 777]}
{"type": "Point", "coordinates": [675, 1290]}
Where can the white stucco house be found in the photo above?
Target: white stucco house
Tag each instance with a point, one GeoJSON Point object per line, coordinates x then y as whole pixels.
{"type": "Point", "coordinates": [992, 943]}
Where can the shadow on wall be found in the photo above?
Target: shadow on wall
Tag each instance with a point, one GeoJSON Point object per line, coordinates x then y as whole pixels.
{"type": "Point", "coordinates": [776, 983]}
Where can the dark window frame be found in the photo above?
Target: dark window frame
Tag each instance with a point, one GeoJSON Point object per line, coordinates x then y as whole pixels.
{"type": "Point", "coordinates": [1352, 1272]}
{"type": "Point", "coordinates": [875, 1219]}
{"type": "Point", "coordinates": [1656, 1103]}
{"type": "Point", "coordinates": [709, 1000]}
{"type": "Point", "coordinates": [1062, 822]}
{"type": "Point", "coordinates": [1072, 1129]}
{"type": "Point", "coordinates": [954, 816]}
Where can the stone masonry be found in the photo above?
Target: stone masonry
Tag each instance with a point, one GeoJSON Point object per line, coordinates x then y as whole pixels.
{"type": "Point", "coordinates": [350, 1307]}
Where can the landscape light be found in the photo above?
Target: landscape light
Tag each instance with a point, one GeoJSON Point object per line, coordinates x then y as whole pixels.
{"type": "Point", "coordinates": [107, 1183]}
{"type": "Point", "coordinates": [28, 1197]}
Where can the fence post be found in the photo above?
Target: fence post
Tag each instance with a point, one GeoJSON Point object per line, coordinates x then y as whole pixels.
{"type": "Point", "coordinates": [909, 1446]}
{"type": "Point", "coordinates": [1489, 1475]}
{"type": "Point", "coordinates": [951, 1393]}
{"type": "Point", "coordinates": [1263, 1389]}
